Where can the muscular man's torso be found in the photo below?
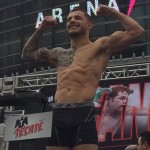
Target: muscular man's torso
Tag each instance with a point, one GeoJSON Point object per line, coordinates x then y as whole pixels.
{"type": "Point", "coordinates": [79, 72]}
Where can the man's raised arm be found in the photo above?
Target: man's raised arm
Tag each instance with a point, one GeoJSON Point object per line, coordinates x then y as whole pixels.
{"type": "Point", "coordinates": [31, 50]}
{"type": "Point", "coordinates": [120, 40]}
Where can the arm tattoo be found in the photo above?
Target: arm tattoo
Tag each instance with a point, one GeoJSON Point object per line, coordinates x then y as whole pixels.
{"type": "Point", "coordinates": [58, 56]}
{"type": "Point", "coordinates": [31, 45]}
{"type": "Point", "coordinates": [42, 55]}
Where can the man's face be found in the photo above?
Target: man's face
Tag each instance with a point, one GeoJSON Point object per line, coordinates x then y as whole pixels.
{"type": "Point", "coordinates": [119, 101]}
{"type": "Point", "coordinates": [77, 23]}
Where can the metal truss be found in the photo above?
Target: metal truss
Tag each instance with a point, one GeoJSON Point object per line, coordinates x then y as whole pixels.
{"type": "Point", "coordinates": [126, 71]}
{"type": "Point", "coordinates": [36, 81]}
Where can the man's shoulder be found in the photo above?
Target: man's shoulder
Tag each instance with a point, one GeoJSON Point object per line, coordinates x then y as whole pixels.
{"type": "Point", "coordinates": [57, 49]}
{"type": "Point", "coordinates": [101, 40]}
{"type": "Point", "coordinates": [102, 43]}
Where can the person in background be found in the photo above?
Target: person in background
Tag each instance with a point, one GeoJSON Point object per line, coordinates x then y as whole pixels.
{"type": "Point", "coordinates": [113, 103]}
{"type": "Point", "coordinates": [144, 141]}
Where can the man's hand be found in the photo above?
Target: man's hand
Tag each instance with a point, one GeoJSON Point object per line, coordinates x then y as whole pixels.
{"type": "Point", "coordinates": [47, 22]}
{"type": "Point", "coordinates": [104, 10]}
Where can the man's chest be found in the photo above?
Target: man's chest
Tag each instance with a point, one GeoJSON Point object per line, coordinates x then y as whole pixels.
{"type": "Point", "coordinates": [65, 59]}
{"type": "Point", "coordinates": [111, 122]}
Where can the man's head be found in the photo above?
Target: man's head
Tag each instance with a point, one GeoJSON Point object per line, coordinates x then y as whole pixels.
{"type": "Point", "coordinates": [131, 147]}
{"type": "Point", "coordinates": [144, 141]}
{"type": "Point", "coordinates": [78, 22]}
{"type": "Point", "coordinates": [117, 98]}
{"type": "Point", "coordinates": [116, 89]}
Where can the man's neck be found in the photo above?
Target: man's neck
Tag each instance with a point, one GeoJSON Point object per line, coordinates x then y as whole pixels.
{"type": "Point", "coordinates": [113, 113]}
{"type": "Point", "coordinates": [78, 42]}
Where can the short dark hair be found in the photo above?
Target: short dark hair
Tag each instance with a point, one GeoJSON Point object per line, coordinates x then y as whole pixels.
{"type": "Point", "coordinates": [116, 89]}
{"type": "Point", "coordinates": [85, 13]}
{"type": "Point", "coordinates": [145, 136]}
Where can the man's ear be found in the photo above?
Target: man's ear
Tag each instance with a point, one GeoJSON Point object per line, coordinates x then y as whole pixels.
{"type": "Point", "coordinates": [90, 25]}
{"type": "Point", "coordinates": [109, 99]}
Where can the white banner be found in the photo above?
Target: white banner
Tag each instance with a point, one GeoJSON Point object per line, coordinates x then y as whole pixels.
{"type": "Point", "coordinates": [32, 126]}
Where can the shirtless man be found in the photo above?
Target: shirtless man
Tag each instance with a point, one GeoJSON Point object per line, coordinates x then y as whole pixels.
{"type": "Point", "coordinates": [78, 72]}
{"type": "Point", "coordinates": [114, 108]}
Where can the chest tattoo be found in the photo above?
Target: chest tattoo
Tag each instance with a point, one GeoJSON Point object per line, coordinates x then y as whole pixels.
{"type": "Point", "coordinates": [65, 56]}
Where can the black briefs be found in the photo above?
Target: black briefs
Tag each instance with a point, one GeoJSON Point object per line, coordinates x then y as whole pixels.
{"type": "Point", "coordinates": [73, 124]}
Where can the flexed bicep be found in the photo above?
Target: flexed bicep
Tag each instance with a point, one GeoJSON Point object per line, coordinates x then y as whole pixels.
{"type": "Point", "coordinates": [31, 50]}
{"type": "Point", "coordinates": [118, 41]}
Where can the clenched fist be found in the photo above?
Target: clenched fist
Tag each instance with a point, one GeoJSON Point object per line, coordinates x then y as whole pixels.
{"type": "Point", "coordinates": [104, 10]}
{"type": "Point", "coordinates": [47, 22]}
